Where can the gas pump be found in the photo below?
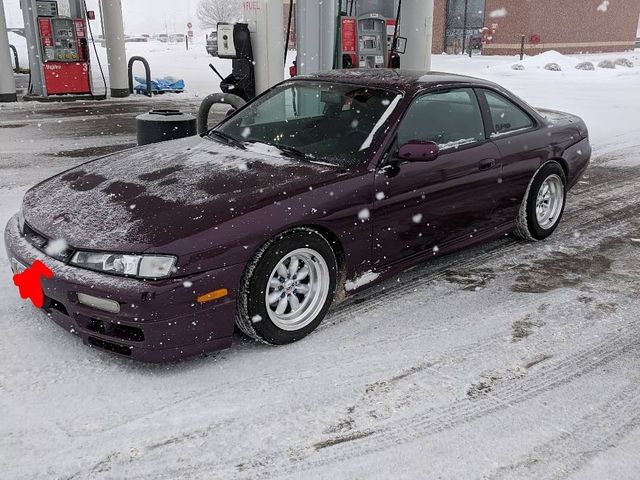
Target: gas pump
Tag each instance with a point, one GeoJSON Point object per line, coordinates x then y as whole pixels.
{"type": "Point", "coordinates": [59, 57]}
{"type": "Point", "coordinates": [372, 41]}
{"type": "Point", "coordinates": [368, 34]}
{"type": "Point", "coordinates": [234, 42]}
{"type": "Point", "coordinates": [65, 55]}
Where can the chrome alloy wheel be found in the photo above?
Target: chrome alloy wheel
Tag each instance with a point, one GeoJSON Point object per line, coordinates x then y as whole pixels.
{"type": "Point", "coordinates": [297, 290]}
{"type": "Point", "coordinates": [549, 202]}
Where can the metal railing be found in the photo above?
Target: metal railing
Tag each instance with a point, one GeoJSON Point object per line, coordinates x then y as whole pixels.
{"type": "Point", "coordinates": [15, 57]}
{"type": "Point", "coordinates": [147, 71]}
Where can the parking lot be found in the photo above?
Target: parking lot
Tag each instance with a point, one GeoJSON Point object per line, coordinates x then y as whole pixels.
{"type": "Point", "coordinates": [509, 360]}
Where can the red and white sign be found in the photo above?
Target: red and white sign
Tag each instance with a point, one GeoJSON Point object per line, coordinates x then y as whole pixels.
{"type": "Point", "coordinates": [189, 25]}
{"type": "Point", "coordinates": [391, 27]}
{"type": "Point", "coordinates": [349, 35]}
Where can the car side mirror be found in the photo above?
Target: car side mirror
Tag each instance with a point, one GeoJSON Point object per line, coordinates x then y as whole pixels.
{"type": "Point", "coordinates": [419, 151]}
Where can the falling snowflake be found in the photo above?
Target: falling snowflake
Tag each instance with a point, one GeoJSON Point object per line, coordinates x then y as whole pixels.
{"type": "Point", "coordinates": [498, 13]}
{"type": "Point", "coordinates": [363, 214]}
{"type": "Point", "coordinates": [417, 218]}
{"type": "Point", "coordinates": [56, 247]}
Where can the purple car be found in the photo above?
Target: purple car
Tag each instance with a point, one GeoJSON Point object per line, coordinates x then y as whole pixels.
{"type": "Point", "coordinates": [322, 186]}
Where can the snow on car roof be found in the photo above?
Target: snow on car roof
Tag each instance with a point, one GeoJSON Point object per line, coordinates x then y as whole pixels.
{"type": "Point", "coordinates": [384, 77]}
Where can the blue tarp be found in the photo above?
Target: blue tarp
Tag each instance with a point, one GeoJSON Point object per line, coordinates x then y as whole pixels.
{"type": "Point", "coordinates": [160, 85]}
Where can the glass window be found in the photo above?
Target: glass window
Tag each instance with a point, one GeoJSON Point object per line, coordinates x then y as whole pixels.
{"type": "Point", "coordinates": [506, 116]}
{"type": "Point", "coordinates": [450, 119]}
{"type": "Point", "coordinates": [335, 123]}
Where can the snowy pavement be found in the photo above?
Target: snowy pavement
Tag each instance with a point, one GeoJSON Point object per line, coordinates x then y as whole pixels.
{"type": "Point", "coordinates": [508, 361]}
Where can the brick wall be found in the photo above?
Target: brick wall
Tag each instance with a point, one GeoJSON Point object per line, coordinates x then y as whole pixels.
{"type": "Point", "coordinates": [568, 26]}
{"type": "Point", "coordinates": [439, 15]}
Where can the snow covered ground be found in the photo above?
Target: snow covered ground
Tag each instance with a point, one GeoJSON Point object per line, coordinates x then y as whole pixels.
{"type": "Point", "coordinates": [511, 360]}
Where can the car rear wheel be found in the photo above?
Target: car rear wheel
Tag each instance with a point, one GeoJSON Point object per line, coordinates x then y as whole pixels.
{"type": "Point", "coordinates": [288, 287]}
{"type": "Point", "coordinates": [543, 204]}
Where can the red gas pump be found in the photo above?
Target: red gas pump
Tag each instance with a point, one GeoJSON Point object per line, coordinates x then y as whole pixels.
{"type": "Point", "coordinates": [65, 59]}
{"type": "Point", "coordinates": [368, 38]}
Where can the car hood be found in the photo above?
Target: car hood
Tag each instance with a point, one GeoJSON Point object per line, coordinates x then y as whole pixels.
{"type": "Point", "coordinates": [153, 195]}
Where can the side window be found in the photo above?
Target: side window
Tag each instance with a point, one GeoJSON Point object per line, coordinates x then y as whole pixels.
{"type": "Point", "coordinates": [450, 119]}
{"type": "Point", "coordinates": [506, 116]}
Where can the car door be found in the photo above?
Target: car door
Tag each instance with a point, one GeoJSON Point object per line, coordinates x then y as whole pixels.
{"type": "Point", "coordinates": [517, 136]}
{"type": "Point", "coordinates": [422, 206]}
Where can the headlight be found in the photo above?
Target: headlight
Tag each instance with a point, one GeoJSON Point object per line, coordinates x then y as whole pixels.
{"type": "Point", "coordinates": [144, 266]}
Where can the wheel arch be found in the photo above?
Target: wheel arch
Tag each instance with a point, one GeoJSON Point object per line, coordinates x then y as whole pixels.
{"type": "Point", "coordinates": [338, 250]}
{"type": "Point", "coordinates": [561, 161]}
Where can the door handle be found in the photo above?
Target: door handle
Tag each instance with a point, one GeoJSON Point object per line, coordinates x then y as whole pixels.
{"type": "Point", "coordinates": [487, 164]}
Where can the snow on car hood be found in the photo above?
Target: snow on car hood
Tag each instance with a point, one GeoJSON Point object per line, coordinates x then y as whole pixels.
{"type": "Point", "coordinates": [152, 195]}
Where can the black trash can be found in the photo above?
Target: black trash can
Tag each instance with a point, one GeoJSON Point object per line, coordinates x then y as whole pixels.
{"type": "Point", "coordinates": [160, 125]}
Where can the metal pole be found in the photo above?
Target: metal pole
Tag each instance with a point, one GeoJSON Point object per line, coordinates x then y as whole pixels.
{"type": "Point", "coordinates": [417, 27]}
{"type": "Point", "coordinates": [522, 48]}
{"type": "Point", "coordinates": [315, 37]}
{"type": "Point", "coordinates": [464, 26]}
{"type": "Point", "coordinates": [116, 53]}
{"type": "Point", "coordinates": [286, 40]}
{"type": "Point", "coordinates": [266, 24]}
{"type": "Point", "coordinates": [101, 19]}
{"type": "Point", "coordinates": [7, 82]}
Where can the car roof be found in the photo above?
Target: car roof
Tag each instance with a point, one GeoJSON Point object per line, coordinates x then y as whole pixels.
{"type": "Point", "coordinates": [394, 78]}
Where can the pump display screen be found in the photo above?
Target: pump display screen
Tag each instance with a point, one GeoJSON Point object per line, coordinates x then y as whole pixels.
{"type": "Point", "coordinates": [368, 25]}
{"type": "Point", "coordinates": [370, 43]}
{"type": "Point", "coordinates": [47, 8]}
{"type": "Point", "coordinates": [61, 43]}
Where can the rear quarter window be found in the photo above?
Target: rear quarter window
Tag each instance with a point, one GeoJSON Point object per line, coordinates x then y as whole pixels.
{"type": "Point", "coordinates": [506, 116]}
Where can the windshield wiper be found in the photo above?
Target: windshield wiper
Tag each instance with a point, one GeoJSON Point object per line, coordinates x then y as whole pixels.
{"type": "Point", "coordinates": [290, 151]}
{"type": "Point", "coordinates": [228, 139]}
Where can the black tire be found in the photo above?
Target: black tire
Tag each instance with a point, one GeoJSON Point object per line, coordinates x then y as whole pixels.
{"type": "Point", "coordinates": [253, 318]}
{"type": "Point", "coordinates": [527, 225]}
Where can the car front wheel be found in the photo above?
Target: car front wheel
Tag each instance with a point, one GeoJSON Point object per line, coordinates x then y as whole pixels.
{"type": "Point", "coordinates": [544, 202]}
{"type": "Point", "coordinates": [288, 287]}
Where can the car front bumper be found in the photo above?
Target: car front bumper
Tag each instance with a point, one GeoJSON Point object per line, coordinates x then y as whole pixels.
{"type": "Point", "coordinates": [158, 320]}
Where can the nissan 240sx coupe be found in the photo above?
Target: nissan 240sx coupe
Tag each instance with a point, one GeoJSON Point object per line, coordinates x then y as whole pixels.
{"type": "Point", "coordinates": [323, 185]}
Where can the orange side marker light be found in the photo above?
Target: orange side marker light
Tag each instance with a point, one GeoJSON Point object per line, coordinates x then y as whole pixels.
{"type": "Point", "coordinates": [216, 294]}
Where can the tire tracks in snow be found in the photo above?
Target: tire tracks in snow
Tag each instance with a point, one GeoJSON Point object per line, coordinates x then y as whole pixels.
{"type": "Point", "coordinates": [548, 376]}
{"type": "Point", "coordinates": [571, 450]}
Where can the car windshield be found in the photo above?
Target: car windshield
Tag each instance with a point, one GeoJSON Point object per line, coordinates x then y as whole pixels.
{"type": "Point", "coordinates": [325, 122]}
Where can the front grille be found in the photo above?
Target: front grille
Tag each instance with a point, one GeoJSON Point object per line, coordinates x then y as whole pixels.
{"type": "Point", "coordinates": [41, 242]}
{"type": "Point", "coordinates": [116, 330]}
{"type": "Point", "coordinates": [111, 347]}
